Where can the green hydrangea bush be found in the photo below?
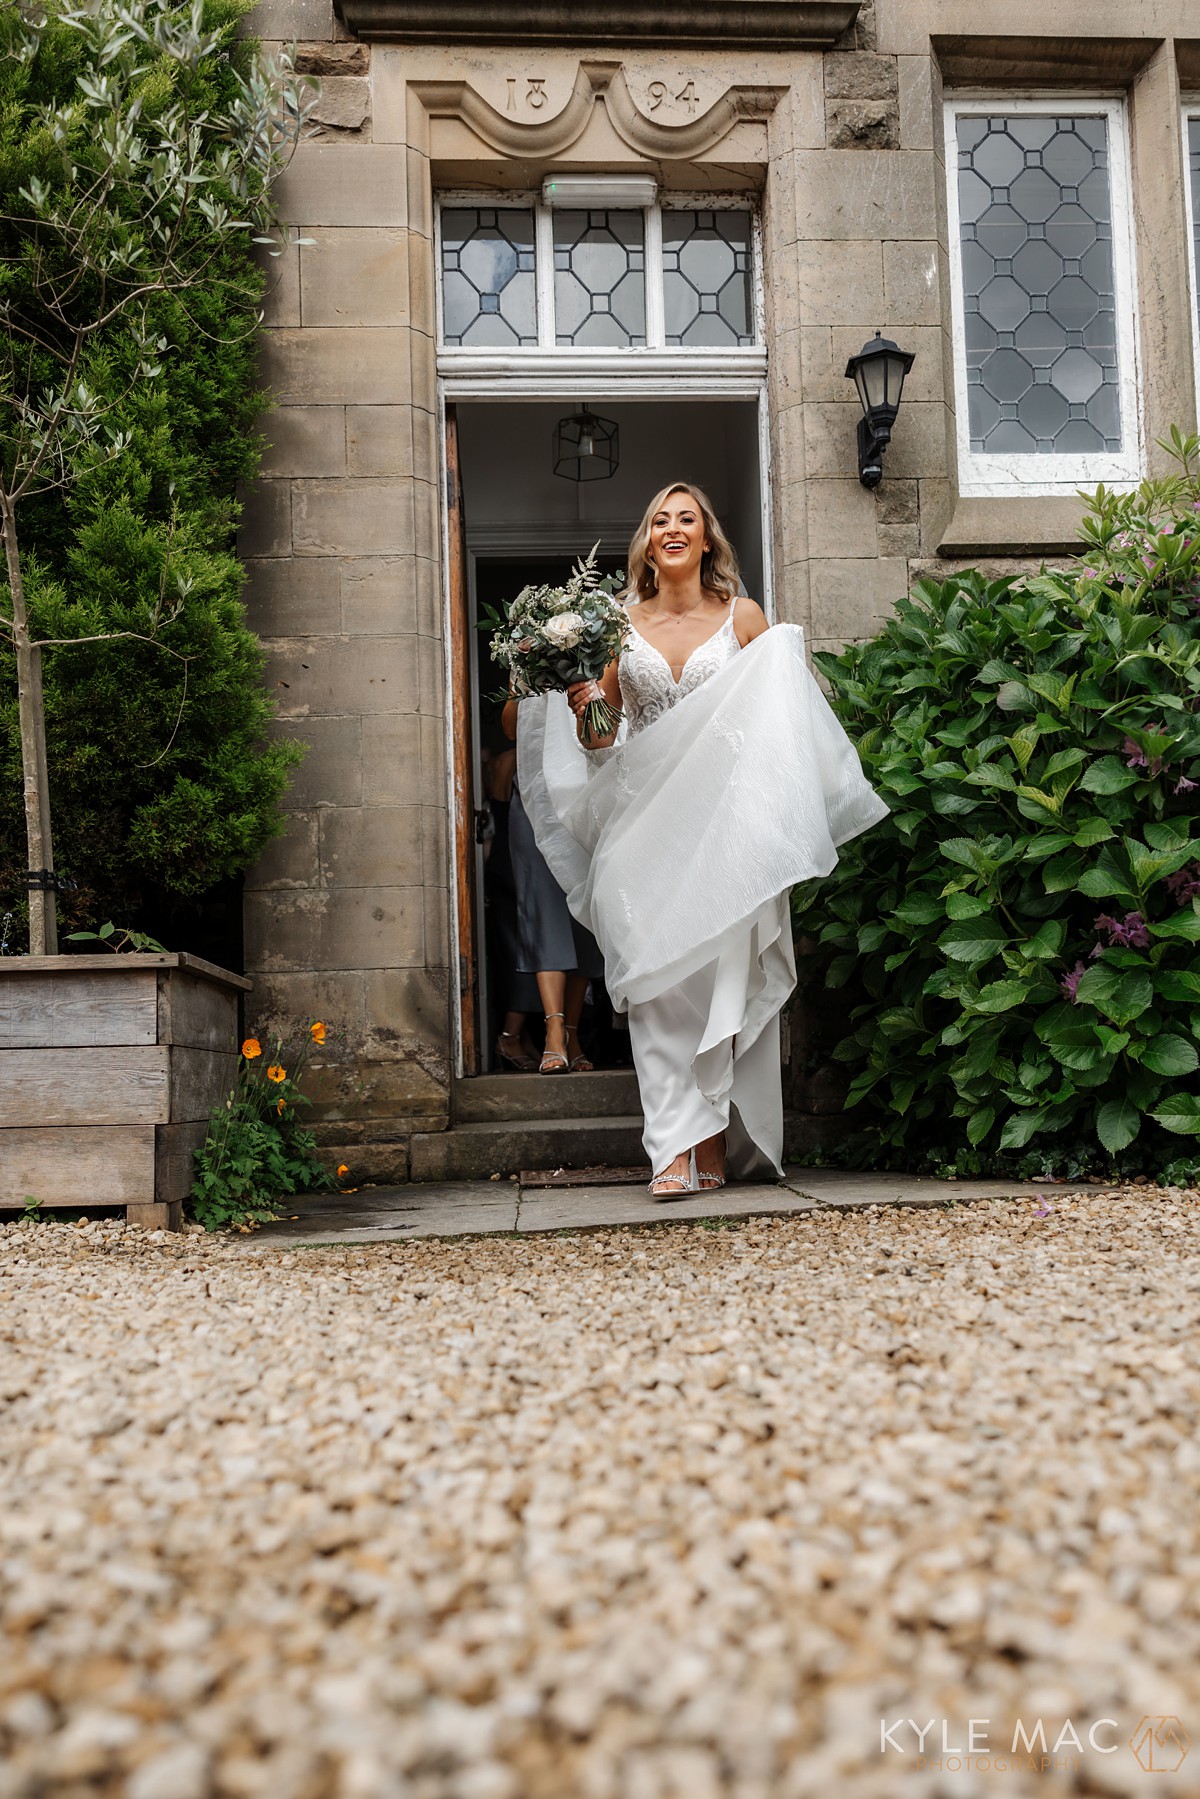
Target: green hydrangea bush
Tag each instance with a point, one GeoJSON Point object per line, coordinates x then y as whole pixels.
{"type": "Point", "coordinates": [1018, 941]}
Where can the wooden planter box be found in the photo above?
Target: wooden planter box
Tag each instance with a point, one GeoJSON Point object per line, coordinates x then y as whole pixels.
{"type": "Point", "coordinates": [109, 1068]}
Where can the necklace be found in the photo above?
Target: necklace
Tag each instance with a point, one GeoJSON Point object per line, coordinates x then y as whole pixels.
{"type": "Point", "coordinates": [678, 617]}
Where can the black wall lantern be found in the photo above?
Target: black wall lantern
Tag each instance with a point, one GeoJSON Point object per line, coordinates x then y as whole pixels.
{"type": "Point", "coordinates": [878, 372]}
{"type": "Point", "coordinates": [586, 447]}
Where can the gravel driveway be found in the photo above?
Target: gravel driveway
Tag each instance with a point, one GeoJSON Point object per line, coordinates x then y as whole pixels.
{"type": "Point", "coordinates": [660, 1514]}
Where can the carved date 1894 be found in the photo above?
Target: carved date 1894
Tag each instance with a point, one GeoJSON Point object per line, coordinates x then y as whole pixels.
{"type": "Point", "coordinates": [528, 93]}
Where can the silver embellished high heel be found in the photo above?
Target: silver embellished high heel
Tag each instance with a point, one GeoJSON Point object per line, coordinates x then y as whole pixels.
{"type": "Point", "coordinates": [689, 1185]}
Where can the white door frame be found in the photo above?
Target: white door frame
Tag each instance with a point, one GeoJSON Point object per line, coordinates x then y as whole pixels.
{"type": "Point", "coordinates": [547, 383]}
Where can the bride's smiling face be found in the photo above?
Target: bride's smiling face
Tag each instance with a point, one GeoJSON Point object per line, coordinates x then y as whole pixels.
{"type": "Point", "coordinates": [677, 537]}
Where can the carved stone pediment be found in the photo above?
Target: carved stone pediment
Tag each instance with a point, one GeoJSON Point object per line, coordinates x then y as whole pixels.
{"type": "Point", "coordinates": [727, 24]}
{"type": "Point", "coordinates": [597, 81]}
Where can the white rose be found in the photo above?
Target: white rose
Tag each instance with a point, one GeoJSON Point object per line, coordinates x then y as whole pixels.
{"type": "Point", "coordinates": [564, 631]}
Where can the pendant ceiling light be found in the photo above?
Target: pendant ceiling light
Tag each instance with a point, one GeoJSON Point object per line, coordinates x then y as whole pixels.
{"type": "Point", "coordinates": [586, 447]}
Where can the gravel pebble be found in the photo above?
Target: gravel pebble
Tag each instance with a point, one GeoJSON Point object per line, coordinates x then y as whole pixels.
{"type": "Point", "coordinates": [676, 1513]}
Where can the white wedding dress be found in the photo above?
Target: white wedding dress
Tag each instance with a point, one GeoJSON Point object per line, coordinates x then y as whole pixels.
{"type": "Point", "coordinates": [677, 848]}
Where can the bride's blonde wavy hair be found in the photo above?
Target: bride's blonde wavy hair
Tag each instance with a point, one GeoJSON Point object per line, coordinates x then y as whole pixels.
{"type": "Point", "coordinates": [718, 566]}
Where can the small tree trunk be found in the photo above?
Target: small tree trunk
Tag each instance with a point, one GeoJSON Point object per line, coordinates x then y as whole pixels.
{"type": "Point", "coordinates": [43, 915]}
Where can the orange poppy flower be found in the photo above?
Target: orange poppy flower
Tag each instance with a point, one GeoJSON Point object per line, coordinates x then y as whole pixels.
{"type": "Point", "coordinates": [276, 1072]}
{"type": "Point", "coordinates": [318, 1032]}
{"type": "Point", "coordinates": [342, 1169]}
{"type": "Point", "coordinates": [251, 1048]}
{"type": "Point", "coordinates": [282, 1106]}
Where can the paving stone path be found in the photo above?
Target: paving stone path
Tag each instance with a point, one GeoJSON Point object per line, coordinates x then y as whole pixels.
{"type": "Point", "coordinates": [615, 1513]}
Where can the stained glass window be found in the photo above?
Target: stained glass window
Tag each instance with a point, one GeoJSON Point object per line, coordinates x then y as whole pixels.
{"type": "Point", "coordinates": [707, 296]}
{"type": "Point", "coordinates": [489, 295]}
{"type": "Point", "coordinates": [600, 277]}
{"type": "Point", "coordinates": [1039, 289]}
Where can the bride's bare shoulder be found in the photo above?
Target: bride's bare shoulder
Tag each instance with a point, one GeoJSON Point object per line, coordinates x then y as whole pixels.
{"type": "Point", "coordinates": [749, 620]}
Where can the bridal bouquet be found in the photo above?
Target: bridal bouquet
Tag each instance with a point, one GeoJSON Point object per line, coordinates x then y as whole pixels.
{"type": "Point", "coordinates": [552, 637]}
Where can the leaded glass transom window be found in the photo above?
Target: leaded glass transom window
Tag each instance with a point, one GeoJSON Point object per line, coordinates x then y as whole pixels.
{"type": "Point", "coordinates": [707, 291]}
{"type": "Point", "coordinates": [524, 274]}
{"type": "Point", "coordinates": [489, 294]}
{"type": "Point", "coordinates": [1039, 296]}
{"type": "Point", "coordinates": [600, 277]}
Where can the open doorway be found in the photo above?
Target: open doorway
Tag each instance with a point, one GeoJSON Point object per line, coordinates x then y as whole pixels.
{"type": "Point", "coordinates": [521, 523]}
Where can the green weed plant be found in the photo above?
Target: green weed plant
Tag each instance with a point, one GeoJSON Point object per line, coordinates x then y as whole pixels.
{"type": "Point", "coordinates": [257, 1153]}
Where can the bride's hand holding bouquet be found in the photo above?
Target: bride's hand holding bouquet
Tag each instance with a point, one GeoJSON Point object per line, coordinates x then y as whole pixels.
{"type": "Point", "coordinates": [561, 640]}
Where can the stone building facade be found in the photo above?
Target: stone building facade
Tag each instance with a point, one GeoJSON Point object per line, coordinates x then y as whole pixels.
{"type": "Point", "coordinates": [824, 129]}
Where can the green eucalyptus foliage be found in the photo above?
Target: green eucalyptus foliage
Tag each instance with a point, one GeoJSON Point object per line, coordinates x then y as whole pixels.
{"type": "Point", "coordinates": [163, 782]}
{"type": "Point", "coordinates": [1019, 939]}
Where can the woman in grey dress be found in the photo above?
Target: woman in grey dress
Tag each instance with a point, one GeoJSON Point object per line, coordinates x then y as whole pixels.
{"type": "Point", "coordinates": [554, 947]}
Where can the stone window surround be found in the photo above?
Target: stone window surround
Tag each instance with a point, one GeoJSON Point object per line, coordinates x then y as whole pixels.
{"type": "Point", "coordinates": [1150, 74]}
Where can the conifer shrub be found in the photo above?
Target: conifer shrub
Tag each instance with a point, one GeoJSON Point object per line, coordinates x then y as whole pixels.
{"type": "Point", "coordinates": [1017, 943]}
{"type": "Point", "coordinates": [162, 777]}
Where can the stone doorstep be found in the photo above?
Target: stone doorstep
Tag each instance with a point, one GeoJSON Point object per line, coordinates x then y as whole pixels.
{"type": "Point", "coordinates": [489, 1208]}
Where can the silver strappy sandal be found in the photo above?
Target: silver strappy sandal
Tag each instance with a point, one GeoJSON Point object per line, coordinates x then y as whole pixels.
{"type": "Point", "coordinates": [688, 1185]}
{"type": "Point", "coordinates": [553, 1061]}
{"type": "Point", "coordinates": [709, 1182]}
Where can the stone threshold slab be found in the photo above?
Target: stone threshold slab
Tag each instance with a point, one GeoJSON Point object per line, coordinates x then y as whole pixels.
{"type": "Point", "coordinates": [490, 1208]}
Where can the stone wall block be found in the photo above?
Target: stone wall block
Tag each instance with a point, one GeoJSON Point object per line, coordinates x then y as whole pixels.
{"type": "Point", "coordinates": [840, 283]}
{"type": "Point", "coordinates": [396, 770]}
{"type": "Point", "coordinates": [435, 848]}
{"type": "Point", "coordinates": [407, 1005]}
{"type": "Point", "coordinates": [281, 297]}
{"type": "Point", "coordinates": [899, 540]}
{"type": "Point", "coordinates": [291, 860]}
{"type": "Point", "coordinates": [804, 107]}
{"type": "Point", "coordinates": [916, 94]}
{"type": "Point", "coordinates": [379, 441]}
{"type": "Point", "coordinates": [897, 502]}
{"type": "Point", "coordinates": [395, 1089]}
{"type": "Point", "coordinates": [793, 593]}
{"type": "Point", "coordinates": [918, 445]}
{"type": "Point", "coordinates": [432, 676]}
{"type": "Point", "coordinates": [337, 677]}
{"type": "Point", "coordinates": [331, 773]}
{"type": "Point", "coordinates": [842, 519]}
{"type": "Point", "coordinates": [853, 597]}
{"type": "Point", "coordinates": [333, 59]}
{"type": "Point", "coordinates": [426, 520]}
{"type": "Point", "coordinates": [289, 598]}
{"type": "Point", "coordinates": [862, 124]}
{"type": "Point", "coordinates": [344, 184]}
{"type": "Point", "coordinates": [347, 366]}
{"type": "Point", "coordinates": [305, 440]}
{"type": "Point", "coordinates": [343, 928]}
{"type": "Point", "coordinates": [375, 846]}
{"type": "Point", "coordinates": [287, 1003]}
{"type": "Point", "coordinates": [793, 521]}
{"type": "Point", "coordinates": [883, 192]}
{"type": "Point", "coordinates": [912, 284]}
{"type": "Point", "coordinates": [387, 596]}
{"type": "Point", "coordinates": [352, 517]}
{"type": "Point", "coordinates": [859, 76]}
{"type": "Point", "coordinates": [355, 276]}
{"type": "Point", "coordinates": [290, 19]}
{"type": "Point", "coordinates": [344, 103]}
{"type": "Point", "coordinates": [266, 525]}
{"type": "Point", "coordinates": [419, 188]}
{"type": "Point", "coordinates": [831, 436]}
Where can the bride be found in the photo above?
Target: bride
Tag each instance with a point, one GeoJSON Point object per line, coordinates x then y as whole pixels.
{"type": "Point", "coordinates": [678, 838]}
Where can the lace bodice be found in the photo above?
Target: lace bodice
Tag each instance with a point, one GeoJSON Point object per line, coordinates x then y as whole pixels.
{"type": "Point", "coordinates": [648, 688]}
